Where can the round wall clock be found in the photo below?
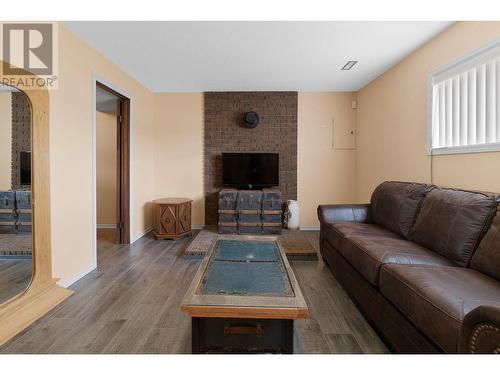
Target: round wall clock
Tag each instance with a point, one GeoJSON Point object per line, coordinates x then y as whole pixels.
{"type": "Point", "coordinates": [251, 119]}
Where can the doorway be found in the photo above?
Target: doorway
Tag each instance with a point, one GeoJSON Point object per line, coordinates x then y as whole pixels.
{"type": "Point", "coordinates": [112, 165]}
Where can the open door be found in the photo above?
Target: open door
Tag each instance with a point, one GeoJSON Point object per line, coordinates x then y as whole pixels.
{"type": "Point", "coordinates": [123, 167]}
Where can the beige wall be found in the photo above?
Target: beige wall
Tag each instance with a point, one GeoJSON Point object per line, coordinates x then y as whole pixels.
{"type": "Point", "coordinates": [325, 174]}
{"type": "Point", "coordinates": [178, 149]}
{"type": "Point", "coordinates": [5, 140]}
{"type": "Point", "coordinates": [71, 153]}
{"type": "Point", "coordinates": [106, 167]}
{"type": "Point", "coordinates": [392, 120]}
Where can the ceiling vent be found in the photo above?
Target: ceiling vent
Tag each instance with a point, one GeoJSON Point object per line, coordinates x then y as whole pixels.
{"type": "Point", "coordinates": [349, 65]}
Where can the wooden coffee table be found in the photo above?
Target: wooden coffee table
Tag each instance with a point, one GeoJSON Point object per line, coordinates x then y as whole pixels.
{"type": "Point", "coordinates": [244, 299]}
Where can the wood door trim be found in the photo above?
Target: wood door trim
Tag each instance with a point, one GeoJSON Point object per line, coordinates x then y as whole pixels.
{"type": "Point", "coordinates": [110, 90]}
{"type": "Point", "coordinates": [123, 150]}
{"type": "Point", "coordinates": [124, 172]}
{"type": "Point", "coordinates": [118, 230]}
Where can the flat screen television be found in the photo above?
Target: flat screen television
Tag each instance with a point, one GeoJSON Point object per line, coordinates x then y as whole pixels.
{"type": "Point", "coordinates": [250, 170]}
{"type": "Point", "coordinates": [25, 172]}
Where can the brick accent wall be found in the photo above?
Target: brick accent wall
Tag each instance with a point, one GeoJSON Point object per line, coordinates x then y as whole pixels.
{"type": "Point", "coordinates": [225, 132]}
{"type": "Point", "coordinates": [21, 135]}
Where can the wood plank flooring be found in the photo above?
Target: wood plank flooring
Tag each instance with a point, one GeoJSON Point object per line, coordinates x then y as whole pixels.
{"type": "Point", "coordinates": [15, 276]}
{"type": "Point", "coordinates": [131, 304]}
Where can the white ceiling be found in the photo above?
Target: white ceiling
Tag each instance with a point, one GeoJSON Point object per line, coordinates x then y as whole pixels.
{"type": "Point", "coordinates": [232, 56]}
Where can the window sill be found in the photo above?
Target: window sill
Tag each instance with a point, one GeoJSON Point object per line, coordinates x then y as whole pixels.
{"type": "Point", "coordinates": [491, 147]}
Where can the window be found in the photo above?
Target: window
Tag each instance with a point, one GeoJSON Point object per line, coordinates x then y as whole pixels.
{"type": "Point", "coordinates": [464, 103]}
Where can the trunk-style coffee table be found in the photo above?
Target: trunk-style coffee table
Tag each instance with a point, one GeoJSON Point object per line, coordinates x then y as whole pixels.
{"type": "Point", "coordinates": [244, 299]}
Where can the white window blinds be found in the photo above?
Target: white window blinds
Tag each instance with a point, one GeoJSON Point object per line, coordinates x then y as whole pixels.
{"type": "Point", "coordinates": [465, 103]}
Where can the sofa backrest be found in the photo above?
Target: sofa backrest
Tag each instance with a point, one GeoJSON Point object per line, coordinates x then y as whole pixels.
{"type": "Point", "coordinates": [395, 205]}
{"type": "Point", "coordinates": [452, 222]}
{"type": "Point", "coordinates": [486, 258]}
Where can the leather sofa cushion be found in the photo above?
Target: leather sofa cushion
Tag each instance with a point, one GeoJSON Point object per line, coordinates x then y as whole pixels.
{"type": "Point", "coordinates": [486, 259]}
{"type": "Point", "coordinates": [367, 253]}
{"type": "Point", "coordinates": [355, 213]}
{"type": "Point", "coordinates": [452, 222]}
{"type": "Point", "coordinates": [336, 233]}
{"type": "Point", "coordinates": [436, 299]}
{"type": "Point", "coordinates": [395, 205]}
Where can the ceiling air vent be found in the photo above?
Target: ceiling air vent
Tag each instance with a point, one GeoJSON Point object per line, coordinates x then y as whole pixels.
{"type": "Point", "coordinates": [349, 65]}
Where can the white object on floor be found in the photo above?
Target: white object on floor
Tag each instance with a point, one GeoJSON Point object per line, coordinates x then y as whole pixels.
{"type": "Point", "coordinates": [293, 214]}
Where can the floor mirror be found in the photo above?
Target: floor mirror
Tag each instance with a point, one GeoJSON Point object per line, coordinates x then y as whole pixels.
{"type": "Point", "coordinates": [16, 238]}
{"type": "Point", "coordinates": [28, 289]}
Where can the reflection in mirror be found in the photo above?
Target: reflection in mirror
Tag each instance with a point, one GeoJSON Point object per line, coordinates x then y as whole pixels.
{"type": "Point", "coordinates": [16, 242]}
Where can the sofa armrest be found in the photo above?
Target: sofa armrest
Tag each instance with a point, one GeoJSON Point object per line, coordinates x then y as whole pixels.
{"type": "Point", "coordinates": [480, 332]}
{"type": "Point", "coordinates": [357, 213]}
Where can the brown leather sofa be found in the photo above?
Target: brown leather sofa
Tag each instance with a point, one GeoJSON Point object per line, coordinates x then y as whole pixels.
{"type": "Point", "coordinates": [422, 263]}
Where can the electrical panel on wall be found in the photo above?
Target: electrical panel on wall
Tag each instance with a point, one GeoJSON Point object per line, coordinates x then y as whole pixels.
{"type": "Point", "coordinates": [344, 134]}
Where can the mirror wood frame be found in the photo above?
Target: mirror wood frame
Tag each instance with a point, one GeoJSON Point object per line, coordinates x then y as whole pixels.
{"type": "Point", "coordinates": [43, 293]}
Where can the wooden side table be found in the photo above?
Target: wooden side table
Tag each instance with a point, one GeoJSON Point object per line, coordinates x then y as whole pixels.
{"type": "Point", "coordinates": [172, 218]}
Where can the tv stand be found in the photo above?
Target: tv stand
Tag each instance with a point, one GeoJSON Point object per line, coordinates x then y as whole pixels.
{"type": "Point", "coordinates": [243, 211]}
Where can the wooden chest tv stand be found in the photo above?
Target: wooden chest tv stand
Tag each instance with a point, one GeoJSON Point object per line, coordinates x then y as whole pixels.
{"type": "Point", "coordinates": [250, 211]}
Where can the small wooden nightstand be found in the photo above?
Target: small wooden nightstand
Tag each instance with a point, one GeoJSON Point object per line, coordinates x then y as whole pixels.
{"type": "Point", "coordinates": [172, 218]}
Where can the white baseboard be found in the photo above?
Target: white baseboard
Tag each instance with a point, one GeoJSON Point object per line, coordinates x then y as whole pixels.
{"type": "Point", "coordinates": [106, 226]}
{"type": "Point", "coordinates": [68, 282]}
{"type": "Point", "coordinates": [197, 226]}
{"type": "Point", "coordinates": [309, 228]}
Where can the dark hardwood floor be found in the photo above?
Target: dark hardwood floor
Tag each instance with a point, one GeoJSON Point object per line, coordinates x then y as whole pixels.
{"type": "Point", "coordinates": [130, 304]}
